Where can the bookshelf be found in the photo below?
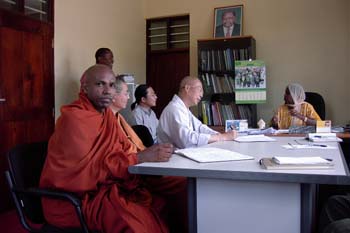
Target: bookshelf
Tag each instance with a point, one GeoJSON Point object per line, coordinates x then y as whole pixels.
{"type": "Point", "coordinates": [216, 69]}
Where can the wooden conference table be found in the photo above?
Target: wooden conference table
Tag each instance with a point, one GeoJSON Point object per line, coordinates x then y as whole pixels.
{"type": "Point", "coordinates": [240, 196]}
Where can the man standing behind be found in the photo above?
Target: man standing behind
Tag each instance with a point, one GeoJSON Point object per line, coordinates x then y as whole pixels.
{"type": "Point", "coordinates": [229, 27]}
{"type": "Point", "coordinates": [104, 56]}
{"type": "Point", "coordinates": [177, 125]}
{"type": "Point", "coordinates": [88, 155]}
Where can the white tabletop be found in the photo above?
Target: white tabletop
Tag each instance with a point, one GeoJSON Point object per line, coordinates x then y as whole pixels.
{"type": "Point", "coordinates": [251, 169]}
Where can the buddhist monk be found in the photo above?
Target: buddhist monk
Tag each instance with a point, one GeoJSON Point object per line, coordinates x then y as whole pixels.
{"type": "Point", "coordinates": [89, 155]}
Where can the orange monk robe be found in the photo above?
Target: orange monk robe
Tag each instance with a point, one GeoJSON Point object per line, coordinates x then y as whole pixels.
{"type": "Point", "coordinates": [285, 119]}
{"type": "Point", "coordinates": [86, 155]}
{"type": "Point", "coordinates": [136, 142]}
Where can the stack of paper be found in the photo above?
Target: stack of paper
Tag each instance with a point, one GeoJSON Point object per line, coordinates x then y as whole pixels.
{"type": "Point", "coordinates": [280, 162]}
{"type": "Point", "coordinates": [211, 154]}
{"type": "Point", "coordinates": [300, 160]}
{"type": "Point", "coordinates": [323, 137]}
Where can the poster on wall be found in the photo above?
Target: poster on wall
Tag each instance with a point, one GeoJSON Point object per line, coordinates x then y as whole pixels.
{"type": "Point", "coordinates": [250, 82]}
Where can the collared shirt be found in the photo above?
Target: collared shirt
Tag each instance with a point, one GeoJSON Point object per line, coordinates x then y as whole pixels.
{"type": "Point", "coordinates": [148, 118]}
{"type": "Point", "coordinates": [230, 30]}
{"type": "Point", "coordinates": [177, 125]}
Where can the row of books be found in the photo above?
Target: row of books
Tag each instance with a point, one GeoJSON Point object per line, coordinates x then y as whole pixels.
{"type": "Point", "coordinates": [217, 84]}
{"type": "Point", "coordinates": [216, 113]}
{"type": "Point", "coordinates": [222, 60]}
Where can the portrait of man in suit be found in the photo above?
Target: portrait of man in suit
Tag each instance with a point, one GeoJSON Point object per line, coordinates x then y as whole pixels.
{"type": "Point", "coordinates": [228, 21]}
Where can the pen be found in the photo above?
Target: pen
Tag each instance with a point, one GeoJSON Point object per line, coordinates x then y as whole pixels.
{"type": "Point", "coordinates": [320, 145]}
{"type": "Point", "coordinates": [330, 160]}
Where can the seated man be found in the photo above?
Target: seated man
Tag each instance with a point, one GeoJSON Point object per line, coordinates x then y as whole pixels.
{"type": "Point", "coordinates": [179, 126]}
{"type": "Point", "coordinates": [295, 111]}
{"type": "Point", "coordinates": [88, 155]}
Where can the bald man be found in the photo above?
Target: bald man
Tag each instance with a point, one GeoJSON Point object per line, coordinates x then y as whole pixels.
{"type": "Point", "coordinates": [89, 155]}
{"type": "Point", "coordinates": [177, 124]}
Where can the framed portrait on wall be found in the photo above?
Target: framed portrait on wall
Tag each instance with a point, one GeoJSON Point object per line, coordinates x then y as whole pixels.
{"type": "Point", "coordinates": [228, 21]}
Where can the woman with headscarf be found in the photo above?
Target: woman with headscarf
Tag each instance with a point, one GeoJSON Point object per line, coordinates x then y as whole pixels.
{"type": "Point", "coordinates": [295, 111]}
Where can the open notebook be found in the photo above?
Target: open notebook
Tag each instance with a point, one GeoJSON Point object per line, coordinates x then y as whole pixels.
{"type": "Point", "coordinates": [211, 154]}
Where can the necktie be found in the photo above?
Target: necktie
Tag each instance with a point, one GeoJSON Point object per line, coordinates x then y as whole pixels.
{"type": "Point", "coordinates": [228, 34]}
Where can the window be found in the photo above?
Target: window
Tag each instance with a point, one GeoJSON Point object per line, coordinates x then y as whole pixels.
{"type": "Point", "coordinates": [37, 9]}
{"type": "Point", "coordinates": [168, 33]}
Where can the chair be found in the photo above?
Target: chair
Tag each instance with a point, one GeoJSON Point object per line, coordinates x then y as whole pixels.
{"type": "Point", "coordinates": [144, 134]}
{"type": "Point", "coordinates": [25, 165]}
{"type": "Point", "coordinates": [317, 102]}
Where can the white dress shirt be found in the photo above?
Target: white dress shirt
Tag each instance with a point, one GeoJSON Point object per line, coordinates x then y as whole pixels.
{"type": "Point", "coordinates": [148, 118]}
{"type": "Point", "coordinates": [228, 30]}
{"type": "Point", "coordinates": [177, 125]}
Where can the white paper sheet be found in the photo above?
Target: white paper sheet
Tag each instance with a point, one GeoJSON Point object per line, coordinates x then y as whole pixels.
{"type": "Point", "coordinates": [254, 138]}
{"type": "Point", "coordinates": [205, 155]}
{"type": "Point", "coordinates": [300, 160]}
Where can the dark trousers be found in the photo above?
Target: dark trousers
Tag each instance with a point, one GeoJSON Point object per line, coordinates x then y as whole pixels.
{"type": "Point", "coordinates": [335, 215]}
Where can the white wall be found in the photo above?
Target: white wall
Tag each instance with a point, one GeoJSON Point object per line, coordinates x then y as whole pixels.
{"type": "Point", "coordinates": [82, 26]}
{"type": "Point", "coordinates": [300, 41]}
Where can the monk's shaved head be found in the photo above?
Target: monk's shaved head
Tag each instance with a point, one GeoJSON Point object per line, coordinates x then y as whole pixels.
{"type": "Point", "coordinates": [190, 90]}
{"type": "Point", "coordinates": [93, 71]}
{"type": "Point", "coordinates": [188, 80]}
{"type": "Point", "coordinates": [99, 86]}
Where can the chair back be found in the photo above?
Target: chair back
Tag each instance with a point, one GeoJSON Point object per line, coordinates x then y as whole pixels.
{"type": "Point", "coordinates": [25, 164]}
{"type": "Point", "coordinates": [317, 101]}
{"type": "Point", "coordinates": [144, 134]}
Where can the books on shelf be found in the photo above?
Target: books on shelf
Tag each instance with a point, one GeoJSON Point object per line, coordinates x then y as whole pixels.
{"type": "Point", "coordinates": [222, 59]}
{"type": "Point", "coordinates": [214, 83]}
{"type": "Point", "coordinates": [211, 154]}
{"type": "Point", "coordinates": [216, 113]}
{"type": "Point", "coordinates": [216, 69]}
{"type": "Point", "coordinates": [303, 163]}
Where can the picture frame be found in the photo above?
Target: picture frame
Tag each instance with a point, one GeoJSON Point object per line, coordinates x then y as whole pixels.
{"type": "Point", "coordinates": [228, 21]}
{"type": "Point", "coordinates": [238, 125]}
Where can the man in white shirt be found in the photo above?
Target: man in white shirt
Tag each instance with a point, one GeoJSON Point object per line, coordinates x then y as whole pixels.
{"type": "Point", "coordinates": [177, 124]}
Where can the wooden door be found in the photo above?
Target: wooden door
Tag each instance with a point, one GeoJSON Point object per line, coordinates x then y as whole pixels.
{"type": "Point", "coordinates": [164, 73]}
{"type": "Point", "coordinates": [168, 58]}
{"type": "Point", "coordinates": [26, 86]}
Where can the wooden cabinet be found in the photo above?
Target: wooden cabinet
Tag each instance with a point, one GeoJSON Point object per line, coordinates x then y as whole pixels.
{"type": "Point", "coordinates": [26, 85]}
{"type": "Point", "coordinates": [216, 69]}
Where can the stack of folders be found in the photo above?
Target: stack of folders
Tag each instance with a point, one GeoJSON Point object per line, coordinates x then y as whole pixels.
{"type": "Point", "coordinates": [323, 137]}
{"type": "Point", "coordinates": [286, 163]}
